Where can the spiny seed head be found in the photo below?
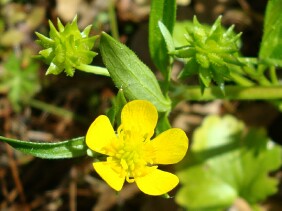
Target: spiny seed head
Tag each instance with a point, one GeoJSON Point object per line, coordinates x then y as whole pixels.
{"type": "Point", "coordinates": [66, 48]}
{"type": "Point", "coordinates": [209, 52]}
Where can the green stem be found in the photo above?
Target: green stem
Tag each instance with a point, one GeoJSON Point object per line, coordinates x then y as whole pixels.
{"type": "Point", "coordinates": [167, 80]}
{"type": "Point", "coordinates": [273, 76]}
{"type": "Point", "coordinates": [261, 69]}
{"type": "Point", "coordinates": [113, 20]}
{"type": "Point", "coordinates": [55, 110]}
{"type": "Point", "coordinates": [261, 79]}
{"type": "Point", "coordinates": [231, 92]}
{"type": "Point", "coordinates": [241, 80]}
{"type": "Point", "coordinates": [93, 69]}
{"type": "Point", "coordinates": [264, 81]}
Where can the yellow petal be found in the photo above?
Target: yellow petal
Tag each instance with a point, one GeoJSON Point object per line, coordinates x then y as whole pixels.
{"type": "Point", "coordinates": [157, 182]}
{"type": "Point", "coordinates": [109, 175]}
{"type": "Point", "coordinates": [139, 116]}
{"type": "Point", "coordinates": [100, 134]}
{"type": "Point", "coordinates": [170, 146]}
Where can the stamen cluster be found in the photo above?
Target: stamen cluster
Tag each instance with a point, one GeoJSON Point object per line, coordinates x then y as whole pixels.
{"type": "Point", "coordinates": [128, 155]}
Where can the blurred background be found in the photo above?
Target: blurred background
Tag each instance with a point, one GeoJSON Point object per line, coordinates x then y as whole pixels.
{"type": "Point", "coordinates": [53, 108]}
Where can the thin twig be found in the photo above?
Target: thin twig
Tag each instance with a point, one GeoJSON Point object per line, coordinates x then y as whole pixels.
{"type": "Point", "coordinates": [113, 20]}
{"type": "Point", "coordinates": [16, 177]}
{"type": "Point", "coordinates": [73, 188]}
{"type": "Point", "coordinates": [13, 164]}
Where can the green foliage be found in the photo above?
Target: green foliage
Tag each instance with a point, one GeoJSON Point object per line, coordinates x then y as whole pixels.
{"type": "Point", "coordinates": [180, 29]}
{"type": "Point", "coordinates": [271, 46]}
{"type": "Point", "coordinates": [215, 183]}
{"type": "Point", "coordinates": [231, 93]}
{"type": "Point", "coordinates": [57, 150]}
{"type": "Point", "coordinates": [21, 82]}
{"type": "Point", "coordinates": [164, 11]}
{"type": "Point", "coordinates": [130, 74]}
{"type": "Point", "coordinates": [66, 49]}
{"type": "Point", "coordinates": [209, 53]}
{"type": "Point", "coordinates": [163, 123]}
{"type": "Point", "coordinates": [114, 113]}
{"type": "Point", "coordinates": [167, 37]}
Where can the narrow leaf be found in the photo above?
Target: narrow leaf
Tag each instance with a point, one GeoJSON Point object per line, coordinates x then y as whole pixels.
{"type": "Point", "coordinates": [75, 147]}
{"type": "Point", "coordinates": [114, 113]}
{"type": "Point", "coordinates": [167, 37]}
{"type": "Point", "coordinates": [271, 46]}
{"type": "Point", "coordinates": [165, 11]}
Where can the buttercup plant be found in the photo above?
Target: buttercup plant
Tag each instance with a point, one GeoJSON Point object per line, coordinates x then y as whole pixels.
{"type": "Point", "coordinates": [144, 139]}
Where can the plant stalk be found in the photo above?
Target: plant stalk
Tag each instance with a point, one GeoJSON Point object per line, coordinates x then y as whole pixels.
{"type": "Point", "coordinates": [180, 93]}
{"type": "Point", "coordinates": [93, 69]}
{"type": "Point", "coordinates": [113, 20]}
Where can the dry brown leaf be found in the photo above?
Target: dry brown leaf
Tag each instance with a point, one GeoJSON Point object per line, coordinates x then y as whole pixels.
{"type": "Point", "coordinates": [67, 9]}
{"type": "Point", "coordinates": [11, 38]}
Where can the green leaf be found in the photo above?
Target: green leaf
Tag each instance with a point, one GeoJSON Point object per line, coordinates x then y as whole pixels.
{"type": "Point", "coordinates": [114, 113]}
{"type": "Point", "coordinates": [167, 37]}
{"type": "Point", "coordinates": [163, 123]}
{"type": "Point", "coordinates": [130, 74]}
{"type": "Point", "coordinates": [216, 182]}
{"type": "Point", "coordinates": [22, 83]}
{"type": "Point", "coordinates": [165, 11]}
{"type": "Point", "coordinates": [200, 193]}
{"type": "Point", "coordinates": [179, 31]}
{"type": "Point", "coordinates": [271, 46]}
{"type": "Point", "coordinates": [72, 148]}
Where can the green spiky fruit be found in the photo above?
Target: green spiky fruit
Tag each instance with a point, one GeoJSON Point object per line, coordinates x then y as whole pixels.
{"type": "Point", "coordinates": [209, 53]}
{"type": "Point", "coordinates": [66, 48]}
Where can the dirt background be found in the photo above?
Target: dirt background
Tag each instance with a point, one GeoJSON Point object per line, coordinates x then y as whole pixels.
{"type": "Point", "coordinates": [28, 183]}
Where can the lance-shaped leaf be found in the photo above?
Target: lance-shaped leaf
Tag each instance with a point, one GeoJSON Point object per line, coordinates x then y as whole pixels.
{"type": "Point", "coordinates": [271, 46]}
{"type": "Point", "coordinates": [167, 37]}
{"type": "Point", "coordinates": [72, 148]}
{"type": "Point", "coordinates": [165, 11]}
{"type": "Point", "coordinates": [131, 74]}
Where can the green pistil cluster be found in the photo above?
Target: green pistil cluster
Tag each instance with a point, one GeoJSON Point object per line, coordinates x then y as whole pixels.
{"type": "Point", "coordinates": [67, 48]}
{"type": "Point", "coordinates": [209, 53]}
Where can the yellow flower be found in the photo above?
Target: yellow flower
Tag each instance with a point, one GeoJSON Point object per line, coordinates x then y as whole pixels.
{"type": "Point", "coordinates": [131, 154]}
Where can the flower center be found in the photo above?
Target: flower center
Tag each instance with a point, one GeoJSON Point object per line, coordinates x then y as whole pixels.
{"type": "Point", "coordinates": [131, 155]}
